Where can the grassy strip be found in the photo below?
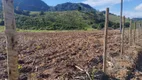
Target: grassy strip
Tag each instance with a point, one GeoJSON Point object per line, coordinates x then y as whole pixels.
{"type": "Point", "coordinates": [21, 30]}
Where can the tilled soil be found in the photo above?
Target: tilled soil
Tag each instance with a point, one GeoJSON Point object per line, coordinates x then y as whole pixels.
{"type": "Point", "coordinates": [60, 55]}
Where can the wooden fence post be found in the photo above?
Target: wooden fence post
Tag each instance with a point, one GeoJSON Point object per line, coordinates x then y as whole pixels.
{"type": "Point", "coordinates": [105, 40]}
{"type": "Point", "coordinates": [134, 34]}
{"type": "Point", "coordinates": [10, 31]}
{"type": "Point", "coordinates": [140, 30]}
{"type": "Point", "coordinates": [130, 33]}
{"type": "Point", "coordinates": [121, 13]}
{"type": "Point", "coordinates": [138, 35]}
{"type": "Point", "coordinates": [122, 37]}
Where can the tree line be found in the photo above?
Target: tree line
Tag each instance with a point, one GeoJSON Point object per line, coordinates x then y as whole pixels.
{"type": "Point", "coordinates": [63, 20]}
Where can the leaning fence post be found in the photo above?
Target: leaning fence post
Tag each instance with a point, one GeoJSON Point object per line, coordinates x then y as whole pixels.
{"type": "Point", "coordinates": [105, 40]}
{"type": "Point", "coordinates": [122, 37]}
{"type": "Point", "coordinates": [130, 33]}
{"type": "Point", "coordinates": [10, 31]}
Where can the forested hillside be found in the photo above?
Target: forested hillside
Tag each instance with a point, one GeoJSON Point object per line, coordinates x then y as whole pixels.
{"type": "Point", "coordinates": [37, 15]}
{"type": "Point", "coordinates": [65, 20]}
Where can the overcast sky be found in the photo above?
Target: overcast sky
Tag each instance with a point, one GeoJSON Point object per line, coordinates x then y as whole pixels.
{"type": "Point", "coordinates": [132, 8]}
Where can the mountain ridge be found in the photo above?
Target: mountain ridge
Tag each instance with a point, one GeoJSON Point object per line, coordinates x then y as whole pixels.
{"type": "Point", "coordinates": [39, 5]}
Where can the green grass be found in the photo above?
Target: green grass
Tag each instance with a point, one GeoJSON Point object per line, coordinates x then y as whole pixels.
{"type": "Point", "coordinates": [34, 12]}
{"type": "Point", "coordinates": [1, 28]}
{"type": "Point", "coordinates": [89, 28]}
{"type": "Point", "coordinates": [21, 30]}
{"type": "Point", "coordinates": [116, 19]}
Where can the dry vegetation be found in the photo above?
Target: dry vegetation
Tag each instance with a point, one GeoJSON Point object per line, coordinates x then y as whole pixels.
{"type": "Point", "coordinates": [60, 55]}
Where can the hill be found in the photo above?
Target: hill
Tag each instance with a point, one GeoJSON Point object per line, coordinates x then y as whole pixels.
{"type": "Point", "coordinates": [72, 6]}
{"type": "Point", "coordinates": [39, 5]}
{"type": "Point", "coordinates": [137, 19]}
{"type": "Point", "coordinates": [115, 18]}
{"type": "Point", "coordinates": [30, 5]}
{"type": "Point", "coordinates": [66, 16]}
{"type": "Point", "coordinates": [61, 20]}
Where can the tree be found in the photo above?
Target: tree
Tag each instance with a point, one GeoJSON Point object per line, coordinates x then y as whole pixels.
{"type": "Point", "coordinates": [41, 13]}
{"type": "Point", "coordinates": [1, 23]}
{"type": "Point", "coordinates": [79, 8]}
{"type": "Point", "coordinates": [127, 24]}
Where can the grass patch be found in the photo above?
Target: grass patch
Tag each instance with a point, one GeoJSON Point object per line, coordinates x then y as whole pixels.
{"type": "Point", "coordinates": [53, 30]}
{"type": "Point", "coordinates": [1, 28]}
{"type": "Point", "coordinates": [34, 12]}
{"type": "Point", "coordinates": [21, 30]}
{"type": "Point", "coordinates": [116, 19]}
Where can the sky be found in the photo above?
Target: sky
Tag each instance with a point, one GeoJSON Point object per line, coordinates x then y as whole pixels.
{"type": "Point", "coordinates": [132, 8]}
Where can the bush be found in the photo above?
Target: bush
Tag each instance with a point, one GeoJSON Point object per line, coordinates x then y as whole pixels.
{"type": "Point", "coordinates": [101, 26]}
{"type": "Point", "coordinates": [2, 23]}
{"type": "Point", "coordinates": [41, 13]}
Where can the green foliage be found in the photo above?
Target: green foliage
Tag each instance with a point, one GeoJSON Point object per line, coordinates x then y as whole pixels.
{"type": "Point", "coordinates": [2, 23]}
{"type": "Point", "coordinates": [68, 20]}
{"type": "Point", "coordinates": [1, 28]}
{"type": "Point", "coordinates": [64, 20]}
{"type": "Point", "coordinates": [79, 8]}
{"type": "Point", "coordinates": [21, 12]}
{"type": "Point", "coordinates": [41, 13]}
{"type": "Point", "coordinates": [116, 19]}
{"type": "Point", "coordinates": [101, 25]}
{"type": "Point", "coordinates": [115, 25]}
{"type": "Point", "coordinates": [127, 24]}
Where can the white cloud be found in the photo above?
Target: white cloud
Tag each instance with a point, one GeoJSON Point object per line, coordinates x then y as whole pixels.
{"type": "Point", "coordinates": [139, 7]}
{"type": "Point", "coordinates": [133, 14]}
{"type": "Point", "coordinates": [101, 2]}
{"type": "Point", "coordinates": [130, 14]}
{"type": "Point", "coordinates": [94, 3]}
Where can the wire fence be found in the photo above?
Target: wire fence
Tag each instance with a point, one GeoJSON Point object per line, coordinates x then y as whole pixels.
{"type": "Point", "coordinates": [131, 36]}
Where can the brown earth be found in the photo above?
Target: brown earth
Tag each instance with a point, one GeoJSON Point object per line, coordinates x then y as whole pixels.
{"type": "Point", "coordinates": [61, 55]}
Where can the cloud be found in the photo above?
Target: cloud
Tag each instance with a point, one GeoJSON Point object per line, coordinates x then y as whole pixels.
{"type": "Point", "coordinates": [133, 14]}
{"type": "Point", "coordinates": [139, 7]}
{"type": "Point", "coordinates": [94, 3]}
{"type": "Point", "coordinates": [130, 14]}
{"type": "Point", "coordinates": [101, 2]}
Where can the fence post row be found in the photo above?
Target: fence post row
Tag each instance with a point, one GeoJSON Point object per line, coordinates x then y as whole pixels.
{"type": "Point", "coordinates": [105, 40]}
{"type": "Point", "coordinates": [10, 31]}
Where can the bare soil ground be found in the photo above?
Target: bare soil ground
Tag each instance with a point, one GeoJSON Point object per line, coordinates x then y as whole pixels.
{"type": "Point", "coordinates": [60, 55]}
